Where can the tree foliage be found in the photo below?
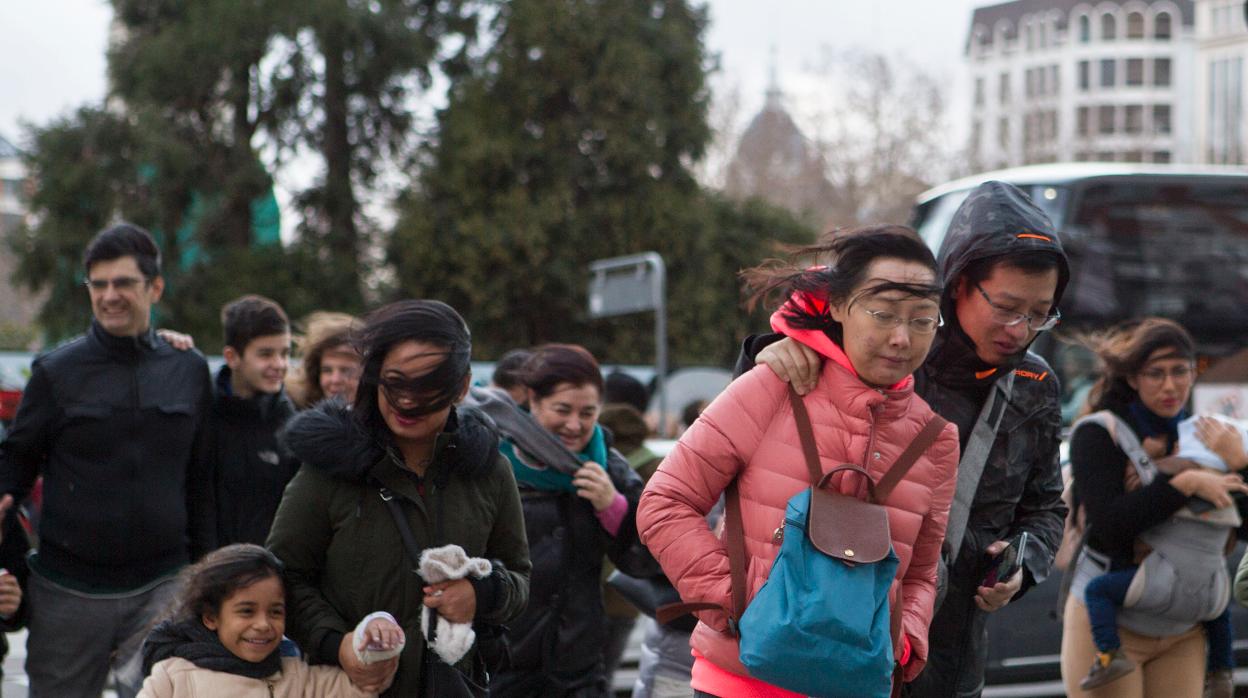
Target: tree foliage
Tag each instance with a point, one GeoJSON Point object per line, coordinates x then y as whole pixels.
{"type": "Point", "coordinates": [570, 140]}
{"type": "Point", "coordinates": [196, 89]}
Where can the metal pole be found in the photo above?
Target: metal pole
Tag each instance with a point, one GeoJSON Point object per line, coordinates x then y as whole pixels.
{"type": "Point", "coordinates": [660, 338]}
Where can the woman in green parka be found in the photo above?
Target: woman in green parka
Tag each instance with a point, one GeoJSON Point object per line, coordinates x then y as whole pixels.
{"type": "Point", "coordinates": [404, 441]}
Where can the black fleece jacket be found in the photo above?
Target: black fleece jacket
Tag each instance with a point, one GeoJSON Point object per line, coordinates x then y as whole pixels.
{"type": "Point", "coordinates": [115, 426]}
{"type": "Point", "coordinates": [250, 467]}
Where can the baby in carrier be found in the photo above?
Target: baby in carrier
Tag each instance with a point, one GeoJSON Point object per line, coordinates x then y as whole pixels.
{"type": "Point", "coordinates": [1123, 587]}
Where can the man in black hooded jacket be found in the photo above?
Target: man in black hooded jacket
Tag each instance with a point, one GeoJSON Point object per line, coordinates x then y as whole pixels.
{"type": "Point", "coordinates": [1004, 272]}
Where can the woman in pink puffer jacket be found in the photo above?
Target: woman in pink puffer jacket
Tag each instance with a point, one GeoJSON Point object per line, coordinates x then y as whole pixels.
{"type": "Point", "coordinates": [876, 327]}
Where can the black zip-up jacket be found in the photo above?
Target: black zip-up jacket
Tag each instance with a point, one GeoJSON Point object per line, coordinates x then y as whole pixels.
{"type": "Point", "coordinates": [1021, 486]}
{"type": "Point", "coordinates": [561, 633]}
{"type": "Point", "coordinates": [115, 426]}
{"type": "Point", "coordinates": [250, 467]}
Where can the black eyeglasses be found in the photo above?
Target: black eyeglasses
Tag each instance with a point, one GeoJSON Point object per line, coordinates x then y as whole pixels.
{"type": "Point", "coordinates": [1011, 318]}
{"type": "Point", "coordinates": [121, 283]}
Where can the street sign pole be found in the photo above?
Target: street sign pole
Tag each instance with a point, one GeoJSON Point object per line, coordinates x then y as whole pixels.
{"type": "Point", "coordinates": [631, 284]}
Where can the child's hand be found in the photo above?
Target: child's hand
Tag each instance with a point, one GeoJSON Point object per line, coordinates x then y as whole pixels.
{"type": "Point", "coordinates": [10, 594]}
{"type": "Point", "coordinates": [382, 634]}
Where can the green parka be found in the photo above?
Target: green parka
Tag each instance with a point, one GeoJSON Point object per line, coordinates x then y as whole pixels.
{"type": "Point", "coordinates": [344, 555]}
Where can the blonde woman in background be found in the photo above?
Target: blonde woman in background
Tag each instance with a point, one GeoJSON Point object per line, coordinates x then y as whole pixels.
{"type": "Point", "coordinates": [330, 364]}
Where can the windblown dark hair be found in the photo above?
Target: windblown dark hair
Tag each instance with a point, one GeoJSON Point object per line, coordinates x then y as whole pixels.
{"type": "Point", "coordinates": [1123, 351]}
{"type": "Point", "coordinates": [552, 364]}
{"type": "Point", "coordinates": [209, 582]}
{"type": "Point", "coordinates": [844, 255]}
{"type": "Point", "coordinates": [509, 371]}
{"type": "Point", "coordinates": [124, 240]}
{"type": "Point", "coordinates": [428, 321]}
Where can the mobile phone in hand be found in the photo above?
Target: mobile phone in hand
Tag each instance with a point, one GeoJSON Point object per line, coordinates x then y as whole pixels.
{"type": "Point", "coordinates": [1009, 562]}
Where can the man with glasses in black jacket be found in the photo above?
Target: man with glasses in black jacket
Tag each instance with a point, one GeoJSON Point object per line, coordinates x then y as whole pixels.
{"type": "Point", "coordinates": [113, 421]}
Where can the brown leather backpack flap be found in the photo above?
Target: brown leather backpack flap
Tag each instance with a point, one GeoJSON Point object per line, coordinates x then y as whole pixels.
{"type": "Point", "coordinates": [847, 528]}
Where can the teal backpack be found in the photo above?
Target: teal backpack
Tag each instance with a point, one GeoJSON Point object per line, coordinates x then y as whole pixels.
{"type": "Point", "coordinates": [822, 625]}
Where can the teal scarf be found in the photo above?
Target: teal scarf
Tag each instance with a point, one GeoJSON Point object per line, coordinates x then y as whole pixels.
{"type": "Point", "coordinates": [535, 475]}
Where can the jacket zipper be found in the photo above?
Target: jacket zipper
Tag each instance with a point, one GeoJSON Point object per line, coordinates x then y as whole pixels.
{"type": "Point", "coordinates": [270, 685]}
{"type": "Point", "coordinates": [874, 411]}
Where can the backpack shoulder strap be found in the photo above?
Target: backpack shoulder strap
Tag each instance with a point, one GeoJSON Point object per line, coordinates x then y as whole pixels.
{"type": "Point", "coordinates": [974, 458]}
{"type": "Point", "coordinates": [922, 441]}
{"type": "Point", "coordinates": [1125, 438]}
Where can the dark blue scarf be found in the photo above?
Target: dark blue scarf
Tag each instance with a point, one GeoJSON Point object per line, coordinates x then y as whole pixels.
{"type": "Point", "coordinates": [1148, 423]}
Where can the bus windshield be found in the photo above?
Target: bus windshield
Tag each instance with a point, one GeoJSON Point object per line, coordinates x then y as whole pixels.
{"type": "Point", "coordinates": [1178, 250]}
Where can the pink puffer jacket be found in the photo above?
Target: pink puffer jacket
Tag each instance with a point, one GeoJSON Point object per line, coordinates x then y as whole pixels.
{"type": "Point", "coordinates": [748, 433]}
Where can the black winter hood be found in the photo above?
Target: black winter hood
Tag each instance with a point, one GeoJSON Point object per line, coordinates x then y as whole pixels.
{"type": "Point", "coordinates": [996, 219]}
{"type": "Point", "coordinates": [330, 439]}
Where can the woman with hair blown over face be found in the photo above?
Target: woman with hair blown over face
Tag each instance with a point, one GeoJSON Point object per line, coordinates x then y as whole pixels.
{"type": "Point", "coordinates": [403, 453]}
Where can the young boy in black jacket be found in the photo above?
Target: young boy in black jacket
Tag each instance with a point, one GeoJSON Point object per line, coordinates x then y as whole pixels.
{"type": "Point", "coordinates": [249, 407]}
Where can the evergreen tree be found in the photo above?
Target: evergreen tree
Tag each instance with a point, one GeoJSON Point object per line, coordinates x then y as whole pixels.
{"type": "Point", "coordinates": [571, 140]}
{"type": "Point", "coordinates": [195, 89]}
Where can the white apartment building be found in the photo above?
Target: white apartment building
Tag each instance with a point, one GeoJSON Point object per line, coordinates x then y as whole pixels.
{"type": "Point", "coordinates": [1222, 47]}
{"type": "Point", "coordinates": [1063, 80]}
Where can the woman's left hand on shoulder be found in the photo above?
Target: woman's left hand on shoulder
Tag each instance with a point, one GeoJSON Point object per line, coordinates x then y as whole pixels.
{"type": "Point", "coordinates": [455, 600]}
{"type": "Point", "coordinates": [593, 483]}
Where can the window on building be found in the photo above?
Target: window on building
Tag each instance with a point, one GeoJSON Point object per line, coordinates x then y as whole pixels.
{"type": "Point", "coordinates": [1003, 132]}
{"type": "Point", "coordinates": [1003, 90]}
{"type": "Point", "coordinates": [1133, 156]}
{"type": "Point", "coordinates": [1161, 29]}
{"type": "Point", "coordinates": [1135, 25]}
{"type": "Point", "coordinates": [1135, 72]}
{"type": "Point", "coordinates": [1042, 34]}
{"type": "Point", "coordinates": [1162, 156]}
{"type": "Point", "coordinates": [979, 92]}
{"type": "Point", "coordinates": [1226, 112]}
{"type": "Point", "coordinates": [977, 128]}
{"type": "Point", "coordinates": [1161, 118]}
{"type": "Point", "coordinates": [1083, 121]}
{"type": "Point", "coordinates": [1055, 83]}
{"type": "Point", "coordinates": [1108, 72]}
{"type": "Point", "coordinates": [1029, 38]}
{"type": "Point", "coordinates": [1105, 156]}
{"type": "Point", "coordinates": [1133, 119]}
{"type": "Point", "coordinates": [1109, 27]}
{"type": "Point", "coordinates": [1042, 81]}
{"type": "Point", "coordinates": [1161, 72]}
{"type": "Point", "coordinates": [1105, 119]}
{"type": "Point", "coordinates": [1085, 29]}
{"type": "Point", "coordinates": [1085, 76]}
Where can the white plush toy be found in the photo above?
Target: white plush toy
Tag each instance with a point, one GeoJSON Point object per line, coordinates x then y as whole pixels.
{"type": "Point", "coordinates": [451, 640]}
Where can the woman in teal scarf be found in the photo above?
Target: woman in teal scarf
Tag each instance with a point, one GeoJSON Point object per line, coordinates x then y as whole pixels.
{"type": "Point", "coordinates": [573, 518]}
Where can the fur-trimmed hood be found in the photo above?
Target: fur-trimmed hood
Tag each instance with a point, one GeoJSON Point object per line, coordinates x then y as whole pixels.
{"type": "Point", "coordinates": [329, 438]}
